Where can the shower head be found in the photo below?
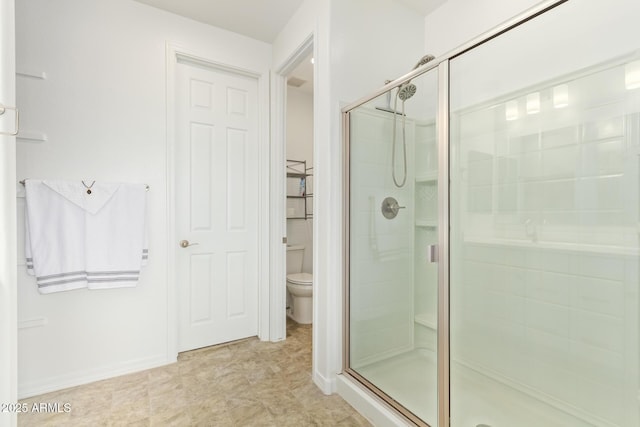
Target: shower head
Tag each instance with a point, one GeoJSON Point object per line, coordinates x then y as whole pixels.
{"type": "Point", "coordinates": [424, 60]}
{"type": "Point", "coordinates": [408, 89]}
{"type": "Point", "coordinates": [405, 91]}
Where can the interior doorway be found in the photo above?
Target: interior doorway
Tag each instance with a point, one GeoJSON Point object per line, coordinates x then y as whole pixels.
{"type": "Point", "coordinates": [299, 194]}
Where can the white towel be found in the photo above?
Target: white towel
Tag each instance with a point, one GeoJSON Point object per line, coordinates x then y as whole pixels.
{"type": "Point", "coordinates": [75, 239]}
{"type": "Point", "coordinates": [54, 239]}
{"type": "Point", "coordinates": [115, 239]}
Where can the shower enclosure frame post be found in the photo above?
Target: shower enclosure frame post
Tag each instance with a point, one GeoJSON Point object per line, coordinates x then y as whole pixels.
{"type": "Point", "coordinates": [443, 247]}
{"type": "Point", "coordinates": [345, 241]}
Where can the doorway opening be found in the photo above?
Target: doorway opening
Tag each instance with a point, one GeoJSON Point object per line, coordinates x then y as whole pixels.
{"type": "Point", "coordinates": [299, 191]}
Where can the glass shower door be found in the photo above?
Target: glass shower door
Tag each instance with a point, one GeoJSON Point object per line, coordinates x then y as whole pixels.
{"type": "Point", "coordinates": [393, 223]}
{"type": "Point", "coordinates": [545, 143]}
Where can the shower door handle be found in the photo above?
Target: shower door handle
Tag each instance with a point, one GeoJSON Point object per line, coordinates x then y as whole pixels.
{"type": "Point", "coordinates": [432, 253]}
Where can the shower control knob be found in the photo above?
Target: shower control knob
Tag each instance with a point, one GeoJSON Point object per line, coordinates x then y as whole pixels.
{"type": "Point", "coordinates": [390, 208]}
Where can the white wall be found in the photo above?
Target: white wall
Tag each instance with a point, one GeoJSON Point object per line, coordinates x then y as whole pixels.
{"type": "Point", "coordinates": [372, 41]}
{"type": "Point", "coordinates": [103, 110]}
{"type": "Point", "coordinates": [458, 21]}
{"type": "Point", "coordinates": [312, 20]}
{"type": "Point", "coordinates": [300, 147]}
{"type": "Point", "coordinates": [300, 125]}
{"type": "Point", "coordinates": [357, 46]}
{"type": "Point", "coordinates": [8, 298]}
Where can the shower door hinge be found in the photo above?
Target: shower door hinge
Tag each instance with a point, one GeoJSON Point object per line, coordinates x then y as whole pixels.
{"type": "Point", "coordinates": [432, 253]}
{"type": "Point", "coordinates": [284, 240]}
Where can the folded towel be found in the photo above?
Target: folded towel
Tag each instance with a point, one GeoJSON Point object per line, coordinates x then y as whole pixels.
{"type": "Point", "coordinates": [76, 239]}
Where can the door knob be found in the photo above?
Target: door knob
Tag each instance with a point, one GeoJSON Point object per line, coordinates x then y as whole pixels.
{"type": "Point", "coordinates": [186, 244]}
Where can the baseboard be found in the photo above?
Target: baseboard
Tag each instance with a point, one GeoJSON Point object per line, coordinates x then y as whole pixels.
{"type": "Point", "coordinates": [366, 403]}
{"type": "Point", "coordinates": [326, 385]}
{"type": "Point", "coordinates": [60, 382]}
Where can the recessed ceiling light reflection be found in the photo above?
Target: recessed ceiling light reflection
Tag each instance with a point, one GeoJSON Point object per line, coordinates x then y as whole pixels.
{"type": "Point", "coordinates": [511, 110]}
{"type": "Point", "coordinates": [533, 103]}
{"type": "Point", "coordinates": [560, 96]}
{"type": "Point", "coordinates": [632, 75]}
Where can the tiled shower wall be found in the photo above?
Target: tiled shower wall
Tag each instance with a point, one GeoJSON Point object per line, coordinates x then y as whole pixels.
{"type": "Point", "coordinates": [557, 176]}
{"type": "Point", "coordinates": [381, 282]}
{"type": "Point", "coordinates": [544, 272]}
{"type": "Point", "coordinates": [426, 233]}
{"type": "Point", "coordinates": [560, 324]}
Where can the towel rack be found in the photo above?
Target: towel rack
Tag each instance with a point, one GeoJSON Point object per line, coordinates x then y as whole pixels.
{"type": "Point", "coordinates": [146, 186]}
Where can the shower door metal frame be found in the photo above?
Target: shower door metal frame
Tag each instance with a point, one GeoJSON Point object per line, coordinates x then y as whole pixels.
{"type": "Point", "coordinates": [443, 120]}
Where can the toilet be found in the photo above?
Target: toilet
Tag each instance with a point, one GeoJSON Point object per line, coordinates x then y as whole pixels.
{"type": "Point", "coordinates": [299, 286]}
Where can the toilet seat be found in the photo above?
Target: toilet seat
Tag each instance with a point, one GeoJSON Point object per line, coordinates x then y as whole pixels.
{"type": "Point", "coordinates": [305, 279]}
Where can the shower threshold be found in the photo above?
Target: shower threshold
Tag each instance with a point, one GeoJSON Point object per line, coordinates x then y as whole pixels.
{"type": "Point", "coordinates": [410, 379]}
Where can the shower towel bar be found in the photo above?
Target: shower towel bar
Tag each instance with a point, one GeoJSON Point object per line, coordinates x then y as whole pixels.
{"type": "Point", "coordinates": [146, 186]}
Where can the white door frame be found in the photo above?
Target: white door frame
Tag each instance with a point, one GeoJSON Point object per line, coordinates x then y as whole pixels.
{"type": "Point", "coordinates": [173, 53]}
{"type": "Point", "coordinates": [278, 187]}
{"type": "Point", "coordinates": [8, 256]}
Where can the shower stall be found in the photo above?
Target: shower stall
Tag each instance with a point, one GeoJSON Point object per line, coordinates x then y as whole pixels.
{"type": "Point", "coordinates": [492, 220]}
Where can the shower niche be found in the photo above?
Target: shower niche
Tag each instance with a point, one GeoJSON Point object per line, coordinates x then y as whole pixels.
{"type": "Point", "coordinates": [426, 235]}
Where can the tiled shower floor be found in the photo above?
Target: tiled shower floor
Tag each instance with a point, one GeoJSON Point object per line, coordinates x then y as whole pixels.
{"type": "Point", "coordinates": [410, 378]}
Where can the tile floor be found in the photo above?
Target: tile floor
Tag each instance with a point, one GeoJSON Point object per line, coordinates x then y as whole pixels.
{"type": "Point", "coordinates": [245, 383]}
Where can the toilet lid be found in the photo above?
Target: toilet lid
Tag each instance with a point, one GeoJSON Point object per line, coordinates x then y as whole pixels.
{"type": "Point", "coordinates": [300, 278]}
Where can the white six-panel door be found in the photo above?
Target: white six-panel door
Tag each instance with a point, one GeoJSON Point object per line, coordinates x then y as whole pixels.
{"type": "Point", "coordinates": [216, 206]}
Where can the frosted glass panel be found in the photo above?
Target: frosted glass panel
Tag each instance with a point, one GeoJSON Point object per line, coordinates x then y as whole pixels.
{"type": "Point", "coordinates": [545, 146]}
{"type": "Point", "coordinates": [392, 287]}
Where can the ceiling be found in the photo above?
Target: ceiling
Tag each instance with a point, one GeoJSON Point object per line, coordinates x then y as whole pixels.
{"type": "Point", "coordinates": [258, 19]}
{"type": "Point", "coordinates": [422, 7]}
{"type": "Point", "coordinates": [301, 77]}
{"type": "Point", "coordinates": [261, 20]}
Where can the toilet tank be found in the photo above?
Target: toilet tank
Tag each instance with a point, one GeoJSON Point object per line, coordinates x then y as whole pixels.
{"type": "Point", "coordinates": [295, 258]}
